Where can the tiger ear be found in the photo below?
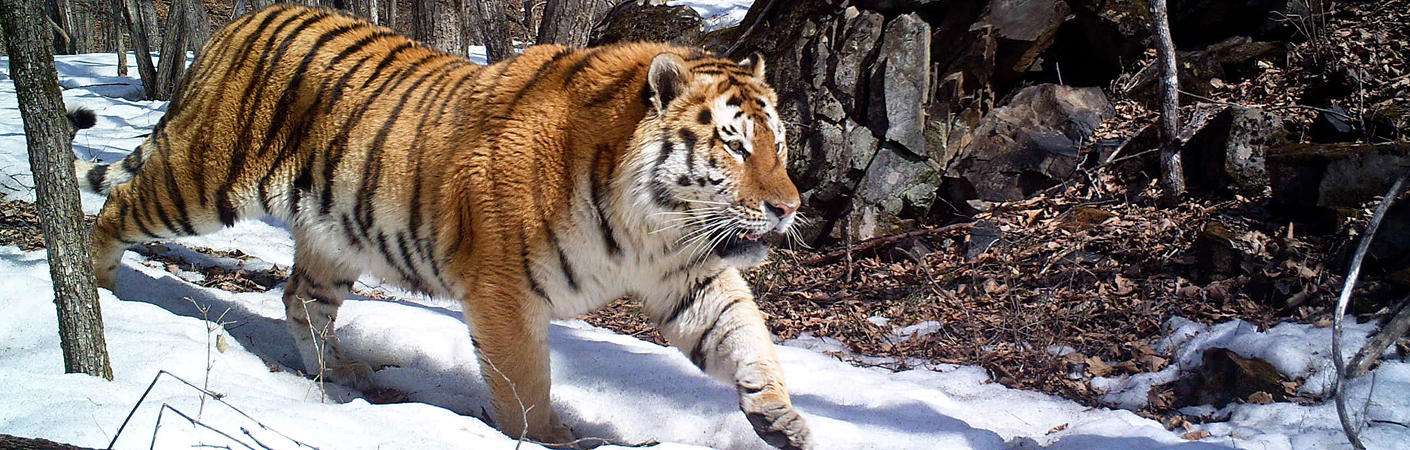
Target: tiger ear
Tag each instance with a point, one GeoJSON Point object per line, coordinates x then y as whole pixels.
{"type": "Point", "coordinates": [665, 79]}
{"type": "Point", "coordinates": [754, 63]}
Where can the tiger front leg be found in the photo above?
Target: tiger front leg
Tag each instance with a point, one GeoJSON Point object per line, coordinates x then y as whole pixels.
{"type": "Point", "coordinates": [716, 322]}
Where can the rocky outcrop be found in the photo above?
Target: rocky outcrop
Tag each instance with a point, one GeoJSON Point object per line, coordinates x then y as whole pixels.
{"type": "Point", "coordinates": [1226, 147]}
{"type": "Point", "coordinates": [1031, 143]}
{"type": "Point", "coordinates": [641, 21]}
{"type": "Point", "coordinates": [1335, 175]}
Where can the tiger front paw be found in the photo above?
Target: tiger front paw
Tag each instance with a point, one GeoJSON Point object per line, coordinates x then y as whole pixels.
{"type": "Point", "coordinates": [774, 419]}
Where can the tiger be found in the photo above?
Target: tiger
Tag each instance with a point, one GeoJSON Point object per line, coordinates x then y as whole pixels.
{"type": "Point", "coordinates": [540, 187]}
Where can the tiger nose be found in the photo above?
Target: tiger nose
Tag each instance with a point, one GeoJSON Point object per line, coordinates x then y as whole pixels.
{"type": "Point", "coordinates": [780, 210]}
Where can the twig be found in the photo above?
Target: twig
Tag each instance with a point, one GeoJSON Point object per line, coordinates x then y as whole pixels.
{"type": "Point", "coordinates": [1345, 299]}
{"type": "Point", "coordinates": [881, 241]}
{"type": "Point", "coordinates": [217, 397]}
{"type": "Point", "coordinates": [1369, 354]}
{"type": "Point", "coordinates": [178, 412]}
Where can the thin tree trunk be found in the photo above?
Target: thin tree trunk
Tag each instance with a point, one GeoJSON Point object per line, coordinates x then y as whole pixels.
{"type": "Point", "coordinates": [198, 26]}
{"type": "Point", "coordinates": [173, 57]}
{"type": "Point", "coordinates": [568, 22]}
{"type": "Point", "coordinates": [137, 31]}
{"type": "Point", "coordinates": [67, 20]}
{"type": "Point", "coordinates": [389, 18]}
{"type": "Point", "coordinates": [1172, 172]}
{"type": "Point", "coordinates": [48, 135]}
{"type": "Point", "coordinates": [115, 33]}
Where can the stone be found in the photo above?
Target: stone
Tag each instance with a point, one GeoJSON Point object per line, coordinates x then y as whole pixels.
{"type": "Point", "coordinates": [899, 84]}
{"type": "Point", "coordinates": [1032, 143]}
{"type": "Point", "coordinates": [633, 21]}
{"type": "Point", "coordinates": [896, 189]}
{"type": "Point", "coordinates": [1225, 377]}
{"type": "Point", "coordinates": [849, 60]}
{"type": "Point", "coordinates": [1227, 153]}
{"type": "Point", "coordinates": [1335, 175]}
{"type": "Point", "coordinates": [1025, 28]}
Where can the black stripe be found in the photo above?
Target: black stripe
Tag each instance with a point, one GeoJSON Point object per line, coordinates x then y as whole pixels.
{"type": "Point", "coordinates": [609, 236]}
{"type": "Point", "coordinates": [95, 177]}
{"type": "Point", "coordinates": [339, 143]}
{"type": "Point", "coordinates": [568, 273]}
{"type": "Point", "coordinates": [537, 77]}
{"type": "Point", "coordinates": [697, 353]}
{"type": "Point", "coordinates": [237, 164]}
{"type": "Point", "coordinates": [348, 233]}
{"type": "Point", "coordinates": [614, 88]}
{"type": "Point", "coordinates": [411, 280]}
{"type": "Point", "coordinates": [333, 154]}
{"type": "Point", "coordinates": [691, 297]}
{"type": "Point", "coordinates": [133, 161]}
{"type": "Point", "coordinates": [173, 190]}
{"type": "Point", "coordinates": [387, 61]}
{"type": "Point", "coordinates": [689, 139]}
{"type": "Point", "coordinates": [372, 170]}
{"type": "Point", "coordinates": [410, 265]}
{"type": "Point", "coordinates": [579, 65]}
{"type": "Point", "coordinates": [534, 285]}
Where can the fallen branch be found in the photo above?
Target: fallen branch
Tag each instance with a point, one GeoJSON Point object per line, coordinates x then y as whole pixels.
{"type": "Point", "coordinates": [1369, 354]}
{"type": "Point", "coordinates": [1339, 315]}
{"type": "Point", "coordinates": [873, 243]}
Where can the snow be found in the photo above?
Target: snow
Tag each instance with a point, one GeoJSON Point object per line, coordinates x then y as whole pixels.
{"type": "Point", "coordinates": [717, 14]}
{"type": "Point", "coordinates": [605, 385]}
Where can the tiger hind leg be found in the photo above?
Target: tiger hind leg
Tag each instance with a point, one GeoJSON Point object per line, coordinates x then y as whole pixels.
{"type": "Point", "coordinates": [316, 289]}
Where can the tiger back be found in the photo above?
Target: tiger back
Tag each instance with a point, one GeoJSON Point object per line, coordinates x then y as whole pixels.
{"type": "Point", "coordinates": [540, 187]}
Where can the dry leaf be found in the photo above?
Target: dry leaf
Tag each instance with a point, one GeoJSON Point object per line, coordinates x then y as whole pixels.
{"type": "Point", "coordinates": [1057, 429]}
{"type": "Point", "coordinates": [1097, 367]}
{"type": "Point", "coordinates": [220, 343]}
{"type": "Point", "coordinates": [1260, 398]}
{"type": "Point", "coordinates": [1196, 435]}
{"type": "Point", "coordinates": [1124, 286]}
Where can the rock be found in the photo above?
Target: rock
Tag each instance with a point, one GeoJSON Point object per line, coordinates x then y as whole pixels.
{"type": "Point", "coordinates": [1335, 175]}
{"type": "Point", "coordinates": [1025, 29]}
{"type": "Point", "coordinates": [849, 59]}
{"type": "Point", "coordinates": [1032, 143]}
{"type": "Point", "coordinates": [897, 188]}
{"type": "Point", "coordinates": [983, 235]}
{"type": "Point", "coordinates": [1220, 253]}
{"type": "Point", "coordinates": [633, 21]}
{"type": "Point", "coordinates": [1227, 150]}
{"type": "Point", "coordinates": [1225, 377]}
{"type": "Point", "coordinates": [1333, 125]}
{"type": "Point", "coordinates": [1201, 72]}
{"type": "Point", "coordinates": [900, 82]}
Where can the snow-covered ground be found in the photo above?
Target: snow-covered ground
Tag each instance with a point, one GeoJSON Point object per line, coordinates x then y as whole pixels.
{"type": "Point", "coordinates": [717, 14]}
{"type": "Point", "coordinates": [605, 385]}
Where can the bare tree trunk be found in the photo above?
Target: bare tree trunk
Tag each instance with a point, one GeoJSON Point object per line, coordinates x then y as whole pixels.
{"type": "Point", "coordinates": [174, 43]}
{"type": "Point", "coordinates": [115, 32]}
{"type": "Point", "coordinates": [137, 31]}
{"type": "Point", "coordinates": [533, 10]}
{"type": "Point", "coordinates": [490, 19]}
{"type": "Point", "coordinates": [67, 21]}
{"type": "Point", "coordinates": [48, 135]}
{"type": "Point", "coordinates": [436, 23]}
{"type": "Point", "coordinates": [389, 17]}
{"type": "Point", "coordinates": [1172, 171]}
{"type": "Point", "coordinates": [198, 25]}
{"type": "Point", "coordinates": [366, 9]}
{"type": "Point", "coordinates": [568, 22]}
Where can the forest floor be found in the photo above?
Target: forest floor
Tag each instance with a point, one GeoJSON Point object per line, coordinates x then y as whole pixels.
{"type": "Point", "coordinates": [1081, 280]}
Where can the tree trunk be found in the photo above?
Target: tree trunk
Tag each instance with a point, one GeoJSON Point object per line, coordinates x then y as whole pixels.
{"type": "Point", "coordinates": [115, 31]}
{"type": "Point", "coordinates": [1172, 171]}
{"type": "Point", "coordinates": [174, 43]}
{"type": "Point", "coordinates": [389, 16]}
{"type": "Point", "coordinates": [436, 23]}
{"type": "Point", "coordinates": [48, 135]}
{"type": "Point", "coordinates": [366, 9]}
{"type": "Point", "coordinates": [132, 16]}
{"type": "Point", "coordinates": [568, 22]}
{"type": "Point", "coordinates": [490, 20]}
{"type": "Point", "coordinates": [66, 21]}
{"type": "Point", "coordinates": [198, 25]}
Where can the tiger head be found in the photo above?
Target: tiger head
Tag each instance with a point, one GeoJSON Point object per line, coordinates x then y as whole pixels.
{"type": "Point", "coordinates": [715, 159]}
